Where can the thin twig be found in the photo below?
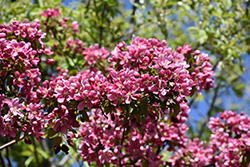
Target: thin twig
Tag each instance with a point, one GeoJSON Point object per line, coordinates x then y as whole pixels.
{"type": "Point", "coordinates": [248, 3]}
{"type": "Point", "coordinates": [78, 68]}
{"type": "Point", "coordinates": [35, 151]}
{"type": "Point", "coordinates": [13, 142]}
{"type": "Point", "coordinates": [209, 113]}
{"type": "Point", "coordinates": [132, 31]}
{"type": "Point", "coordinates": [101, 26]}
{"type": "Point", "coordinates": [123, 135]}
{"type": "Point", "coordinates": [7, 157]}
{"type": "Point", "coordinates": [87, 7]}
{"type": "Point", "coordinates": [95, 40]}
{"type": "Point", "coordinates": [132, 20]}
{"type": "Point", "coordinates": [2, 160]}
{"type": "Point", "coordinates": [103, 113]}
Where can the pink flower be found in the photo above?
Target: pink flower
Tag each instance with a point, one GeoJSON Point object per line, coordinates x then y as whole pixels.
{"type": "Point", "coordinates": [75, 26]}
{"type": "Point", "coordinates": [51, 13]}
{"type": "Point", "coordinates": [2, 35]}
{"type": "Point", "coordinates": [51, 61]}
{"type": "Point", "coordinates": [93, 53]}
{"type": "Point", "coordinates": [15, 107]}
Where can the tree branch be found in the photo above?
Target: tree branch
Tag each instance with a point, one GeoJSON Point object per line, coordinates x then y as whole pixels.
{"type": "Point", "coordinates": [132, 31]}
{"type": "Point", "coordinates": [2, 159]}
{"type": "Point", "coordinates": [35, 151]}
{"type": "Point", "coordinates": [248, 3]}
{"type": "Point", "coordinates": [13, 142]}
{"type": "Point", "coordinates": [123, 135]}
{"type": "Point", "coordinates": [7, 156]}
{"type": "Point", "coordinates": [132, 20]}
{"type": "Point", "coordinates": [95, 40]}
{"type": "Point", "coordinates": [209, 113]}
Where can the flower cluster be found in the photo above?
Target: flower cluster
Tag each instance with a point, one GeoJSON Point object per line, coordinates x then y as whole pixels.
{"type": "Point", "coordinates": [65, 22]}
{"type": "Point", "coordinates": [51, 13]}
{"type": "Point", "coordinates": [105, 139]}
{"type": "Point", "coordinates": [229, 143]}
{"type": "Point", "coordinates": [159, 70]}
{"type": "Point", "coordinates": [230, 136]}
{"type": "Point", "coordinates": [93, 53]}
{"type": "Point", "coordinates": [20, 109]}
{"type": "Point", "coordinates": [29, 31]}
{"type": "Point", "coordinates": [62, 118]}
{"type": "Point", "coordinates": [75, 45]}
{"type": "Point", "coordinates": [170, 76]}
{"type": "Point", "coordinates": [201, 69]}
{"type": "Point", "coordinates": [75, 27]}
{"type": "Point", "coordinates": [129, 112]}
{"type": "Point", "coordinates": [196, 153]}
{"type": "Point", "coordinates": [18, 116]}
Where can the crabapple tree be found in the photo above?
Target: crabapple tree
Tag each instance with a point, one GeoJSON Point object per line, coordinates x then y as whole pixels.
{"type": "Point", "coordinates": [123, 106]}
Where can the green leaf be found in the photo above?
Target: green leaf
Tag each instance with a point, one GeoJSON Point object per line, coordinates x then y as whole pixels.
{"type": "Point", "coordinates": [137, 5]}
{"type": "Point", "coordinates": [28, 161]}
{"type": "Point", "coordinates": [204, 24]}
{"type": "Point", "coordinates": [217, 14]}
{"type": "Point", "coordinates": [144, 105]}
{"type": "Point", "coordinates": [171, 84]}
{"type": "Point", "coordinates": [240, 86]}
{"type": "Point", "coordinates": [57, 140]}
{"type": "Point", "coordinates": [202, 36]}
{"type": "Point", "coordinates": [227, 4]}
{"type": "Point", "coordinates": [26, 153]}
{"type": "Point", "coordinates": [43, 153]}
{"type": "Point", "coordinates": [127, 130]}
{"type": "Point", "coordinates": [193, 29]}
{"type": "Point", "coordinates": [193, 91]}
{"type": "Point", "coordinates": [108, 109]}
{"type": "Point", "coordinates": [176, 109]}
{"type": "Point", "coordinates": [40, 2]}
{"type": "Point", "coordinates": [51, 107]}
{"type": "Point", "coordinates": [200, 97]}
{"type": "Point", "coordinates": [57, 1]}
{"type": "Point", "coordinates": [86, 164]}
{"type": "Point", "coordinates": [233, 41]}
{"type": "Point", "coordinates": [239, 49]}
{"type": "Point", "coordinates": [245, 159]}
{"type": "Point", "coordinates": [85, 116]}
{"type": "Point", "coordinates": [51, 133]}
{"type": "Point", "coordinates": [124, 107]}
{"type": "Point", "coordinates": [238, 92]}
{"type": "Point", "coordinates": [166, 155]}
{"type": "Point", "coordinates": [163, 105]}
{"type": "Point", "coordinates": [70, 61]}
{"type": "Point", "coordinates": [133, 113]}
{"type": "Point", "coordinates": [217, 110]}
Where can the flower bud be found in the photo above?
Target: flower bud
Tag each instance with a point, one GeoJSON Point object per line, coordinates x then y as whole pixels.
{"type": "Point", "coordinates": [57, 149]}
{"type": "Point", "coordinates": [2, 35]}
{"type": "Point", "coordinates": [65, 149]}
{"type": "Point", "coordinates": [197, 52]}
{"type": "Point", "coordinates": [51, 61]}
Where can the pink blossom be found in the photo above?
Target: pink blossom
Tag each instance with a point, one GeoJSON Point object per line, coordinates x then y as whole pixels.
{"type": "Point", "coordinates": [75, 26]}
{"type": "Point", "coordinates": [50, 61]}
{"type": "Point", "coordinates": [51, 13]}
